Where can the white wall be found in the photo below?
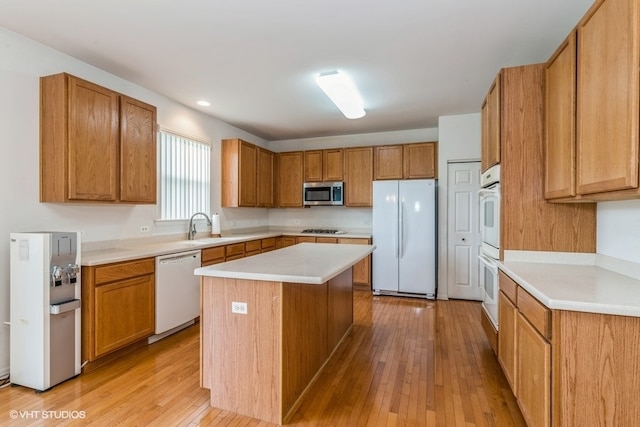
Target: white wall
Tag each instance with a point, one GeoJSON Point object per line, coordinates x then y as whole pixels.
{"type": "Point", "coordinates": [459, 140]}
{"type": "Point", "coordinates": [618, 233]}
{"type": "Point", "coordinates": [23, 62]}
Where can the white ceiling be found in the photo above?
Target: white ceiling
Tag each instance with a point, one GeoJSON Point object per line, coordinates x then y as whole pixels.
{"type": "Point", "coordinates": [256, 60]}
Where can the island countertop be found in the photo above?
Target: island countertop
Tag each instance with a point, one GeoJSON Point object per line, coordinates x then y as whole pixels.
{"type": "Point", "coordinates": [310, 263]}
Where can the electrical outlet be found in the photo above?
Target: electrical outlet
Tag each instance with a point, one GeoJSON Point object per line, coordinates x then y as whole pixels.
{"type": "Point", "coordinates": [239, 307]}
{"type": "Point", "coordinates": [144, 229]}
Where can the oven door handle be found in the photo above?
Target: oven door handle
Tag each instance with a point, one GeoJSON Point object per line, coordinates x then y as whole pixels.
{"type": "Point", "coordinates": [489, 262]}
{"type": "Point", "coordinates": [487, 192]}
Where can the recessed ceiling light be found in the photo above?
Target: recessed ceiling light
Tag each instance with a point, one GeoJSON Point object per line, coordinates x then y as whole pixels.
{"type": "Point", "coordinates": [204, 103]}
{"type": "Point", "coordinates": [342, 92]}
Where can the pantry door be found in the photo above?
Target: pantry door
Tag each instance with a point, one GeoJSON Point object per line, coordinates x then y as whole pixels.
{"type": "Point", "coordinates": [463, 225]}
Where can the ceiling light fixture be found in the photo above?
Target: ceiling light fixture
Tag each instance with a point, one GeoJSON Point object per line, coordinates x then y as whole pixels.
{"type": "Point", "coordinates": [204, 103]}
{"type": "Point", "coordinates": [342, 92]}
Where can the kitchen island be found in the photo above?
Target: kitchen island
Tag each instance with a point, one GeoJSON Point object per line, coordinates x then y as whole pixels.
{"type": "Point", "coordinates": [270, 322]}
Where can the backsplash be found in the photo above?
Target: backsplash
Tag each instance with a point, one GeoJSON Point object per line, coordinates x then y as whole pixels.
{"type": "Point", "coordinates": [618, 230]}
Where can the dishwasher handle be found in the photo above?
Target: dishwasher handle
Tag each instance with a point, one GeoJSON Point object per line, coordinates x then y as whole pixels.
{"type": "Point", "coordinates": [178, 258]}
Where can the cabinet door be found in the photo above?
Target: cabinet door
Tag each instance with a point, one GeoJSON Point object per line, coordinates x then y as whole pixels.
{"type": "Point", "coordinates": [358, 173]}
{"type": "Point", "coordinates": [239, 173]}
{"type": "Point", "coordinates": [290, 176]}
{"type": "Point", "coordinates": [420, 160]}
{"type": "Point", "coordinates": [266, 166]}
{"type": "Point", "coordinates": [491, 126]}
{"type": "Point", "coordinates": [560, 110]}
{"type": "Point", "coordinates": [507, 339]}
{"type": "Point", "coordinates": [533, 374]}
{"type": "Point", "coordinates": [124, 313]}
{"type": "Point", "coordinates": [607, 97]}
{"type": "Point", "coordinates": [137, 151]}
{"type": "Point", "coordinates": [93, 142]}
{"type": "Point", "coordinates": [387, 162]}
{"type": "Point", "coordinates": [332, 164]}
{"type": "Point", "coordinates": [313, 166]}
{"type": "Point", "coordinates": [248, 161]}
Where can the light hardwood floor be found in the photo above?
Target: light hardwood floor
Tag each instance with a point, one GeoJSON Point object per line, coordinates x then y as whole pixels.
{"type": "Point", "coordinates": [405, 362]}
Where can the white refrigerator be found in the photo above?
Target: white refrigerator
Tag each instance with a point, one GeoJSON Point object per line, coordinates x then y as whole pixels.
{"type": "Point", "coordinates": [404, 233]}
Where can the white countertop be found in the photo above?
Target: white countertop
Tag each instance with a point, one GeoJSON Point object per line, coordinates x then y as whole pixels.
{"type": "Point", "coordinates": [126, 252]}
{"type": "Point", "coordinates": [582, 286]}
{"type": "Point", "coordinates": [311, 263]}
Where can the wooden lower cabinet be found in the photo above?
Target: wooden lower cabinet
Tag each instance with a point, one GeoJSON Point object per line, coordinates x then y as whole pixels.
{"type": "Point", "coordinates": [118, 306]}
{"type": "Point", "coordinates": [524, 350]}
{"type": "Point", "coordinates": [361, 270]}
{"type": "Point", "coordinates": [571, 368]}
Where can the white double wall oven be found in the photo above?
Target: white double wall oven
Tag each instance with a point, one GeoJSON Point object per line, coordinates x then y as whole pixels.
{"type": "Point", "coordinates": [490, 233]}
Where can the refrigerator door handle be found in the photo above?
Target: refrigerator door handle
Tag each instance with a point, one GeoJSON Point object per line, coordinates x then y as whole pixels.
{"type": "Point", "coordinates": [401, 229]}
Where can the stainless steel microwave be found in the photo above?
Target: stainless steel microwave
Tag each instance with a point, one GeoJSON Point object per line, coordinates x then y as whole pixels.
{"type": "Point", "coordinates": [323, 193]}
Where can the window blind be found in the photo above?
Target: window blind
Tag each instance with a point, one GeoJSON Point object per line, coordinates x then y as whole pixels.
{"type": "Point", "coordinates": [185, 176]}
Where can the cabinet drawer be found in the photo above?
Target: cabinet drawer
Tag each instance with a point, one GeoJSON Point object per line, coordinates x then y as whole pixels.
{"type": "Point", "coordinates": [305, 239]}
{"type": "Point", "coordinates": [508, 286]}
{"type": "Point", "coordinates": [253, 246]}
{"type": "Point", "coordinates": [123, 270]}
{"type": "Point", "coordinates": [354, 241]}
{"type": "Point", "coordinates": [234, 251]}
{"type": "Point", "coordinates": [268, 244]}
{"type": "Point", "coordinates": [535, 312]}
{"type": "Point", "coordinates": [212, 255]}
{"type": "Point", "coordinates": [326, 240]}
{"type": "Point", "coordinates": [287, 241]}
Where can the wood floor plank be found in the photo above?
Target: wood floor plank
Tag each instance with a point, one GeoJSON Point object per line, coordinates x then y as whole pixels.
{"type": "Point", "coordinates": [405, 362]}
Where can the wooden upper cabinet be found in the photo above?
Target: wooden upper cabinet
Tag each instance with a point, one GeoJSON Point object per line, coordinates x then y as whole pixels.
{"type": "Point", "coordinates": [313, 166]}
{"type": "Point", "coordinates": [95, 144]}
{"type": "Point", "coordinates": [332, 164]}
{"type": "Point", "coordinates": [607, 100]}
{"type": "Point", "coordinates": [137, 151]}
{"type": "Point", "coordinates": [405, 161]}
{"type": "Point", "coordinates": [420, 160]}
{"type": "Point", "coordinates": [559, 130]}
{"type": "Point", "coordinates": [358, 176]}
{"type": "Point", "coordinates": [239, 172]}
{"type": "Point", "coordinates": [290, 178]}
{"type": "Point", "coordinates": [491, 125]}
{"type": "Point", "coordinates": [266, 175]}
{"type": "Point", "coordinates": [388, 162]}
{"type": "Point", "coordinates": [323, 165]}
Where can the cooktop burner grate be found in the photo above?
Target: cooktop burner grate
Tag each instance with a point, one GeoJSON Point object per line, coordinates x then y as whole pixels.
{"type": "Point", "coordinates": [321, 231]}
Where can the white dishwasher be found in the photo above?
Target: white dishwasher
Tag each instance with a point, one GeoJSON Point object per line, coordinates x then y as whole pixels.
{"type": "Point", "coordinates": [177, 292]}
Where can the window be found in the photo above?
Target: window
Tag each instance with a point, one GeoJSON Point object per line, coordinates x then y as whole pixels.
{"type": "Point", "coordinates": [185, 176]}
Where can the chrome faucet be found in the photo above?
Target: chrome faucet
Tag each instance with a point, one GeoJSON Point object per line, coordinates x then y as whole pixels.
{"type": "Point", "coordinates": [192, 226]}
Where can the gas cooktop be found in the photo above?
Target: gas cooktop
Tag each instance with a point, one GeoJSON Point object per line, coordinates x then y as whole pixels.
{"type": "Point", "coordinates": [322, 231]}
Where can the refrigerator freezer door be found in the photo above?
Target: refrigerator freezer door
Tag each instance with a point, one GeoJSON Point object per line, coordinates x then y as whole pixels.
{"type": "Point", "coordinates": [385, 236]}
{"type": "Point", "coordinates": [417, 237]}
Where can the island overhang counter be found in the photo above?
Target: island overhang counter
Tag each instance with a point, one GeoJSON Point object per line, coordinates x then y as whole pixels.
{"type": "Point", "coordinates": [270, 322]}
